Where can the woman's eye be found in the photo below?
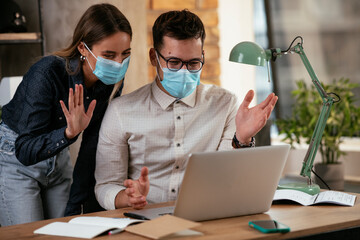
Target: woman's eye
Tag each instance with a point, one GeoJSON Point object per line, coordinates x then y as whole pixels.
{"type": "Point", "coordinates": [109, 56]}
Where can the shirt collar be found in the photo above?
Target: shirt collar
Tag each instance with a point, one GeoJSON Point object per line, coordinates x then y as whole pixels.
{"type": "Point", "coordinates": [166, 100]}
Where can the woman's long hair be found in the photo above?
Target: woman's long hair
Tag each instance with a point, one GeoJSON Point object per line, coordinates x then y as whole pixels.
{"type": "Point", "coordinates": [98, 22]}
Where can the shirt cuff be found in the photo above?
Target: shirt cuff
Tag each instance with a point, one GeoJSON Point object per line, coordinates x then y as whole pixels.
{"type": "Point", "coordinates": [69, 141]}
{"type": "Point", "coordinates": [107, 196]}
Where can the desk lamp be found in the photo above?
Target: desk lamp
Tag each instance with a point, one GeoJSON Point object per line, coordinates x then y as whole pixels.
{"type": "Point", "coordinates": [251, 53]}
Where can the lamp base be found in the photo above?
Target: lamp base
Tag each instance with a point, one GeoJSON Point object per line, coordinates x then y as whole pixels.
{"type": "Point", "coordinates": [311, 189]}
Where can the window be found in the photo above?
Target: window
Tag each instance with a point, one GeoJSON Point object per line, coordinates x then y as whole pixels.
{"type": "Point", "coordinates": [331, 33]}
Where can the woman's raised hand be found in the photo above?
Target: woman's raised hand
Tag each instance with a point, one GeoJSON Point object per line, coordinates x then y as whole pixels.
{"type": "Point", "coordinates": [76, 117]}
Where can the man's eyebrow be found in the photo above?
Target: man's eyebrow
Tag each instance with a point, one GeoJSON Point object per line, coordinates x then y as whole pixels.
{"type": "Point", "coordinates": [173, 57]}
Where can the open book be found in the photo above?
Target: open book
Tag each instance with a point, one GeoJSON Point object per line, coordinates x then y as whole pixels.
{"type": "Point", "coordinates": [86, 227]}
{"type": "Point", "coordinates": [333, 197]}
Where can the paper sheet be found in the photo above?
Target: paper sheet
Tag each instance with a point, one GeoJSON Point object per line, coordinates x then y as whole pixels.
{"type": "Point", "coordinates": [161, 227]}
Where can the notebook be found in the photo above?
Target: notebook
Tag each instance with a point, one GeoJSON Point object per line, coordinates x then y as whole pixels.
{"type": "Point", "coordinates": [226, 184]}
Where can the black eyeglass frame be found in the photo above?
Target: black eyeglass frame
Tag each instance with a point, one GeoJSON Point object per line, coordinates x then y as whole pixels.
{"type": "Point", "coordinates": [182, 63]}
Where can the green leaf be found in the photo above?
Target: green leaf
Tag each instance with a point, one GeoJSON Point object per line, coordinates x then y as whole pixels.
{"type": "Point", "coordinates": [344, 118]}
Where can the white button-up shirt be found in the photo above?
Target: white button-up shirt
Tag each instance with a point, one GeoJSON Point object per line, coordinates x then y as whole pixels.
{"type": "Point", "coordinates": [150, 128]}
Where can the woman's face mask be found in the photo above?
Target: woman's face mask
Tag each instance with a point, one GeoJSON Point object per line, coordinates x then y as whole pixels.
{"type": "Point", "coordinates": [181, 83]}
{"type": "Point", "coordinates": [108, 71]}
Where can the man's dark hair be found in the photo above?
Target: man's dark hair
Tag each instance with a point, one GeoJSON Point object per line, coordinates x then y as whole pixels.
{"type": "Point", "coordinates": [180, 25]}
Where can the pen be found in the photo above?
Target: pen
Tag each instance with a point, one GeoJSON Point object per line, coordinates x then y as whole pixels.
{"type": "Point", "coordinates": [136, 216]}
{"type": "Point", "coordinates": [115, 231]}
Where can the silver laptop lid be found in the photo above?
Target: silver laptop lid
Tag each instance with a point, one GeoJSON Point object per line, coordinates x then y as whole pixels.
{"type": "Point", "coordinates": [230, 183]}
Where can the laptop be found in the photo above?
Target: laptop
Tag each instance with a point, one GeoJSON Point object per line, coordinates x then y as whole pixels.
{"type": "Point", "coordinates": [226, 184]}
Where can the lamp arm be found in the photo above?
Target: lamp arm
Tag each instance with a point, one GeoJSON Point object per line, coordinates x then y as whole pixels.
{"type": "Point", "coordinates": [315, 140]}
{"type": "Point", "coordinates": [321, 122]}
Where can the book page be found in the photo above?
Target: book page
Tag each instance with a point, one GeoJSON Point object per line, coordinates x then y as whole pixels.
{"type": "Point", "coordinates": [294, 195]}
{"type": "Point", "coordinates": [72, 230]}
{"type": "Point", "coordinates": [335, 197]}
{"type": "Point", "coordinates": [85, 227]}
{"type": "Point", "coordinates": [105, 221]}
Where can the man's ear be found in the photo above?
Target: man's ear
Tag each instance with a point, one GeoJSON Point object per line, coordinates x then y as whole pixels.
{"type": "Point", "coordinates": [152, 56]}
{"type": "Point", "coordinates": [81, 49]}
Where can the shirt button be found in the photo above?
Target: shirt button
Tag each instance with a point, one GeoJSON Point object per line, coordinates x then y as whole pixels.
{"type": "Point", "coordinates": [178, 117]}
{"type": "Point", "coordinates": [177, 167]}
{"type": "Point", "coordinates": [60, 118]}
{"type": "Point", "coordinates": [178, 144]}
{"type": "Point", "coordinates": [62, 141]}
{"type": "Point", "coordinates": [49, 151]}
{"type": "Point", "coordinates": [87, 97]}
{"type": "Point", "coordinates": [57, 144]}
{"type": "Point", "coordinates": [173, 190]}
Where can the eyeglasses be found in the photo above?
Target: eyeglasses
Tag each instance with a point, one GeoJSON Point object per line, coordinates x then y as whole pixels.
{"type": "Point", "coordinates": [175, 64]}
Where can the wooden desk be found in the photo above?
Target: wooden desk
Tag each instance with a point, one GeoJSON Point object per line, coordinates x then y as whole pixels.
{"type": "Point", "coordinates": [303, 221]}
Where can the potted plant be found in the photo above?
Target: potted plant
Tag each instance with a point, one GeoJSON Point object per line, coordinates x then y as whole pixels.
{"type": "Point", "coordinates": [344, 120]}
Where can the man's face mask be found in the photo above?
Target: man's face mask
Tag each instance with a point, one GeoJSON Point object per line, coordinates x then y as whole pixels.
{"type": "Point", "coordinates": [108, 71]}
{"type": "Point", "coordinates": [181, 83]}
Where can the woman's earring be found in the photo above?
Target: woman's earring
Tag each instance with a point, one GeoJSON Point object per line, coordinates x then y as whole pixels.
{"type": "Point", "coordinates": [82, 58]}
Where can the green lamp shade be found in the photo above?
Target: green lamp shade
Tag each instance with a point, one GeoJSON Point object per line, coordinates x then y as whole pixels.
{"type": "Point", "coordinates": [248, 53]}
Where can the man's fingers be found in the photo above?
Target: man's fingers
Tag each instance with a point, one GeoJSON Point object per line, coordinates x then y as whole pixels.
{"type": "Point", "coordinates": [144, 174]}
{"type": "Point", "coordinates": [274, 101]}
{"type": "Point", "coordinates": [128, 183]}
{"type": "Point", "coordinates": [129, 191]}
{"type": "Point", "coordinates": [267, 101]}
{"type": "Point", "coordinates": [137, 201]}
{"type": "Point", "coordinates": [271, 106]}
{"type": "Point", "coordinates": [247, 99]}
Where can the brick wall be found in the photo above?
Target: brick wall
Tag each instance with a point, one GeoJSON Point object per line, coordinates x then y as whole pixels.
{"type": "Point", "coordinates": [207, 11]}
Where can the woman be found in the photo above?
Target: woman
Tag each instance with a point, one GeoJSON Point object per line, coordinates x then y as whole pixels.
{"type": "Point", "coordinates": [61, 96]}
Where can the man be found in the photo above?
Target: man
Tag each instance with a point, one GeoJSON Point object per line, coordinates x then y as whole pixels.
{"type": "Point", "coordinates": [146, 136]}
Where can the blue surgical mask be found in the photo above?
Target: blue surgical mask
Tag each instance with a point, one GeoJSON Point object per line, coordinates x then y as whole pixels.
{"type": "Point", "coordinates": [108, 71]}
{"type": "Point", "coordinates": [181, 83]}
